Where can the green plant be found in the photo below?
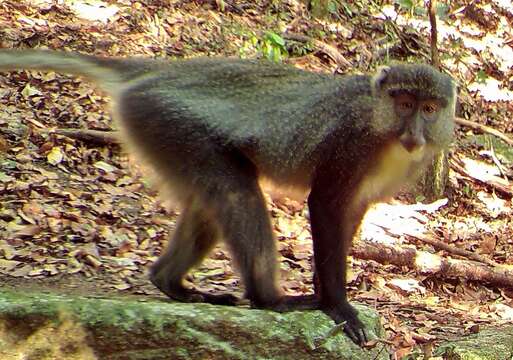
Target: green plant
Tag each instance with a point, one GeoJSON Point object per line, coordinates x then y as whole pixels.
{"type": "Point", "coordinates": [273, 47]}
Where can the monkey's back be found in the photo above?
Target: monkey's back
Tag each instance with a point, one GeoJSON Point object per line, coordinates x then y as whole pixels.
{"type": "Point", "coordinates": [269, 112]}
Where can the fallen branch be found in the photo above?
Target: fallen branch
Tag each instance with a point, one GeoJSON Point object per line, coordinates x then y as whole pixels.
{"type": "Point", "coordinates": [428, 263]}
{"type": "Point", "coordinates": [485, 129]}
{"type": "Point", "coordinates": [92, 136]}
{"type": "Point", "coordinates": [440, 245]}
{"type": "Point", "coordinates": [329, 50]}
{"type": "Point", "coordinates": [492, 181]}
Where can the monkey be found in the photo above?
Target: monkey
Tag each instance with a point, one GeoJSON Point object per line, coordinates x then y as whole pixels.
{"type": "Point", "coordinates": [214, 128]}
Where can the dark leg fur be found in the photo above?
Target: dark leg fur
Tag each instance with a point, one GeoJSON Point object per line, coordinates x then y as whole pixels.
{"type": "Point", "coordinates": [242, 219]}
{"type": "Point", "coordinates": [244, 222]}
{"type": "Point", "coordinates": [331, 247]}
{"type": "Point", "coordinates": [227, 198]}
{"type": "Point", "coordinates": [194, 237]}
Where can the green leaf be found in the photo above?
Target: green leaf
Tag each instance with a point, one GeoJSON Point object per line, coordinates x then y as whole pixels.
{"type": "Point", "coordinates": [405, 4]}
{"type": "Point", "coordinates": [275, 39]}
{"type": "Point", "coordinates": [5, 178]}
{"type": "Point", "coordinates": [481, 77]}
{"type": "Point", "coordinates": [442, 10]}
{"type": "Point", "coordinates": [30, 91]}
{"type": "Point", "coordinates": [333, 7]}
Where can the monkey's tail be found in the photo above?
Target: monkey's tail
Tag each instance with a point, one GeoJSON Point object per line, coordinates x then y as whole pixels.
{"type": "Point", "coordinates": [102, 71]}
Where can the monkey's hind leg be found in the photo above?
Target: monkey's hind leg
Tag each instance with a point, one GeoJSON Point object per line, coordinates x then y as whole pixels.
{"type": "Point", "coordinates": [194, 237]}
{"type": "Point", "coordinates": [243, 219]}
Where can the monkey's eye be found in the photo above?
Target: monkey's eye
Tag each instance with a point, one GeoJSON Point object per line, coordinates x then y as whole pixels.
{"type": "Point", "coordinates": [429, 108]}
{"type": "Point", "coordinates": [404, 104]}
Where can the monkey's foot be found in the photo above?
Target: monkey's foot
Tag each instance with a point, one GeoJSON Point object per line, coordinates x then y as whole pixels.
{"type": "Point", "coordinates": [292, 303]}
{"type": "Point", "coordinates": [192, 295]}
{"type": "Point", "coordinates": [353, 327]}
{"type": "Point", "coordinates": [183, 294]}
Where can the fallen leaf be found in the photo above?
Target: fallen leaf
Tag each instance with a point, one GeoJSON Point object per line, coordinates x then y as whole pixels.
{"type": "Point", "coordinates": [55, 156]}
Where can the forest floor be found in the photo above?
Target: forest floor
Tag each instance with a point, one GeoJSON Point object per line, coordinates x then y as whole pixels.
{"type": "Point", "coordinates": [81, 218]}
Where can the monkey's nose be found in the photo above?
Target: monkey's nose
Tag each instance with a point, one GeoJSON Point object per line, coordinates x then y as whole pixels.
{"type": "Point", "coordinates": [412, 143]}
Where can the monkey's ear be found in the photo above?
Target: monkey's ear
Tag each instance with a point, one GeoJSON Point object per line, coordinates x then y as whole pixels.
{"type": "Point", "coordinates": [379, 79]}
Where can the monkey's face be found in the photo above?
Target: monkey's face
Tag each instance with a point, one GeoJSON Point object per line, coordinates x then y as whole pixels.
{"type": "Point", "coordinates": [420, 103]}
{"type": "Point", "coordinates": [417, 116]}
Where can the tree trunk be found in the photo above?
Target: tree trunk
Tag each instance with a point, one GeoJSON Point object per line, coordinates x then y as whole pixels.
{"type": "Point", "coordinates": [436, 177]}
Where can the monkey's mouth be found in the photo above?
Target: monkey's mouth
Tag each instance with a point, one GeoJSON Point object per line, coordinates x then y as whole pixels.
{"type": "Point", "coordinates": [415, 150]}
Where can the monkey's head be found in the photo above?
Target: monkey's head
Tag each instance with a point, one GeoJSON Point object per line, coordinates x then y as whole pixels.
{"type": "Point", "coordinates": [417, 102]}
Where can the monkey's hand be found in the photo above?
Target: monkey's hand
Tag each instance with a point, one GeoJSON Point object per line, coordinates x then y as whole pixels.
{"type": "Point", "coordinates": [353, 327]}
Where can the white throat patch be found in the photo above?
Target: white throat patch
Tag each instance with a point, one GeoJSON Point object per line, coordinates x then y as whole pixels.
{"type": "Point", "coordinates": [393, 169]}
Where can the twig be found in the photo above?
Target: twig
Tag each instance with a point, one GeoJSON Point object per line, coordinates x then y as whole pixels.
{"type": "Point", "coordinates": [440, 245]}
{"type": "Point", "coordinates": [329, 50]}
{"type": "Point", "coordinates": [485, 129]}
{"type": "Point", "coordinates": [36, 123]}
{"type": "Point", "coordinates": [435, 58]}
{"type": "Point", "coordinates": [94, 136]}
{"type": "Point", "coordinates": [504, 189]}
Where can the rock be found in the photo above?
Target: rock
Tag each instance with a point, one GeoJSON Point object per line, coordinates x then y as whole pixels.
{"type": "Point", "coordinates": [51, 326]}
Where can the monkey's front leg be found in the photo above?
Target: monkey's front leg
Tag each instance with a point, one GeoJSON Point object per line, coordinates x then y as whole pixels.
{"type": "Point", "coordinates": [332, 232]}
